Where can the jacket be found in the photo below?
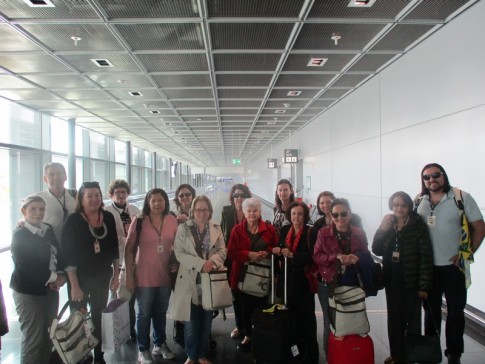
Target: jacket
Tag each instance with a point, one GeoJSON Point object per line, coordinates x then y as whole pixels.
{"type": "Point", "coordinates": [191, 265]}
{"type": "Point", "coordinates": [228, 221]}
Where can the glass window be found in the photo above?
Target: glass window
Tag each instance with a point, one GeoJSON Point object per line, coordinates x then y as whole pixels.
{"type": "Point", "coordinates": [120, 152]}
{"type": "Point", "coordinates": [59, 135]}
{"type": "Point", "coordinates": [22, 126]}
{"type": "Point", "coordinates": [136, 182]}
{"type": "Point", "coordinates": [135, 156]}
{"type": "Point", "coordinates": [120, 171]}
{"type": "Point", "coordinates": [98, 146]}
{"type": "Point", "coordinates": [100, 173]}
{"type": "Point", "coordinates": [79, 149]}
{"type": "Point", "coordinates": [148, 158]}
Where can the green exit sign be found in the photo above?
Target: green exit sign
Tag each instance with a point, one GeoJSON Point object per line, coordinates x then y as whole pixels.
{"type": "Point", "coordinates": [236, 162]}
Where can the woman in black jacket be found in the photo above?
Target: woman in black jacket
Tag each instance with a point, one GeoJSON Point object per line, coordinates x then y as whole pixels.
{"type": "Point", "coordinates": [407, 257]}
{"type": "Point", "coordinates": [35, 280]}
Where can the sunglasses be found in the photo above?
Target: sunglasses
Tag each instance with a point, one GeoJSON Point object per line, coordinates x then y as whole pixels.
{"type": "Point", "coordinates": [93, 184]}
{"type": "Point", "coordinates": [335, 215]}
{"type": "Point", "coordinates": [435, 175]}
{"type": "Point", "coordinates": [238, 195]}
{"type": "Point", "coordinates": [183, 195]}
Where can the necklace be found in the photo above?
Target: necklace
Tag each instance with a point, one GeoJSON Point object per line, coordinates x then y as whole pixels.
{"type": "Point", "coordinates": [93, 231]}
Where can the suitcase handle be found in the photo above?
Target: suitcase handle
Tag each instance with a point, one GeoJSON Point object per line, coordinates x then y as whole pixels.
{"type": "Point", "coordinates": [285, 298]}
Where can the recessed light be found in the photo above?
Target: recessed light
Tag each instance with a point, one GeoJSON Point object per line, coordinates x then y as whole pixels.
{"type": "Point", "coordinates": [361, 3]}
{"type": "Point", "coordinates": [100, 62]}
{"type": "Point", "coordinates": [286, 105]}
{"type": "Point", "coordinates": [293, 93]}
{"type": "Point", "coordinates": [317, 62]}
{"type": "Point", "coordinates": [280, 111]}
{"type": "Point", "coordinates": [135, 93]}
{"type": "Point", "coordinates": [271, 123]}
{"type": "Point", "coordinates": [154, 112]}
{"type": "Point", "coordinates": [40, 3]}
{"type": "Point", "coordinates": [76, 39]}
{"type": "Point", "coordinates": [167, 123]}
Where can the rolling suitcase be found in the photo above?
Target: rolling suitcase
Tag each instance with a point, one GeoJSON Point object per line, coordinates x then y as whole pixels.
{"type": "Point", "coordinates": [350, 349]}
{"type": "Point", "coordinates": [273, 336]}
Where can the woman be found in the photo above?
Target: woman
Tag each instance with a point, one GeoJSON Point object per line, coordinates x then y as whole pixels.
{"type": "Point", "coordinates": [322, 208]}
{"type": "Point", "coordinates": [184, 194]}
{"type": "Point", "coordinates": [35, 281]}
{"type": "Point", "coordinates": [403, 242]}
{"type": "Point", "coordinates": [199, 247]}
{"type": "Point", "coordinates": [231, 216]}
{"type": "Point", "coordinates": [294, 245]}
{"type": "Point", "coordinates": [284, 196]}
{"type": "Point", "coordinates": [90, 246]}
{"type": "Point", "coordinates": [337, 245]}
{"type": "Point", "coordinates": [151, 279]}
{"type": "Point", "coordinates": [251, 240]}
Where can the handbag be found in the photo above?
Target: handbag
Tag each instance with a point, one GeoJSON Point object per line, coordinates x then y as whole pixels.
{"type": "Point", "coordinates": [72, 338]}
{"type": "Point", "coordinates": [424, 349]}
{"type": "Point", "coordinates": [115, 325]}
{"type": "Point", "coordinates": [255, 278]}
{"type": "Point", "coordinates": [216, 292]}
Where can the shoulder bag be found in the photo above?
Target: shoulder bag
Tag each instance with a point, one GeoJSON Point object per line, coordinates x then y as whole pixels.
{"type": "Point", "coordinates": [216, 292]}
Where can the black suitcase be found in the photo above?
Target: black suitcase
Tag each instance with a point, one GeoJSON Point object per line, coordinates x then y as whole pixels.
{"type": "Point", "coordinates": [273, 334]}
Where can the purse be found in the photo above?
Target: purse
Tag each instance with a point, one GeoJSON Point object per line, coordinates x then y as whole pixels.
{"type": "Point", "coordinates": [73, 338]}
{"type": "Point", "coordinates": [216, 292]}
{"type": "Point", "coordinates": [115, 325]}
{"type": "Point", "coordinates": [255, 278]}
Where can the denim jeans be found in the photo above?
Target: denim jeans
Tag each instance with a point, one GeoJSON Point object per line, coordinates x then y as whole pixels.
{"type": "Point", "coordinates": [152, 307]}
{"type": "Point", "coordinates": [323, 298]}
{"type": "Point", "coordinates": [197, 332]}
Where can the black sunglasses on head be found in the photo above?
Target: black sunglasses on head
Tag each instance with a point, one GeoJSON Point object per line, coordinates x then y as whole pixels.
{"type": "Point", "coordinates": [93, 184]}
{"type": "Point", "coordinates": [335, 215]}
{"type": "Point", "coordinates": [435, 175]}
{"type": "Point", "coordinates": [239, 195]}
{"type": "Point", "coordinates": [183, 195]}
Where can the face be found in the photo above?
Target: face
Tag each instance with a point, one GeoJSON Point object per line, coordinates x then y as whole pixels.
{"type": "Point", "coordinates": [157, 204]}
{"type": "Point", "coordinates": [284, 192]}
{"type": "Point", "coordinates": [341, 222]}
{"type": "Point", "coordinates": [201, 213]}
{"type": "Point", "coordinates": [238, 198]}
{"type": "Point", "coordinates": [399, 208]}
{"type": "Point", "coordinates": [34, 212]}
{"type": "Point", "coordinates": [324, 204]}
{"type": "Point", "coordinates": [434, 184]}
{"type": "Point", "coordinates": [252, 214]}
{"type": "Point", "coordinates": [119, 196]}
{"type": "Point", "coordinates": [55, 178]}
{"type": "Point", "coordinates": [92, 199]}
{"type": "Point", "coordinates": [297, 216]}
{"type": "Point", "coordinates": [185, 197]}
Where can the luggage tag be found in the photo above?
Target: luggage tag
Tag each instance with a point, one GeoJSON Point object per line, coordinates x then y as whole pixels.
{"type": "Point", "coordinates": [294, 350]}
{"type": "Point", "coordinates": [431, 221]}
{"type": "Point", "coordinates": [395, 257]}
{"type": "Point", "coordinates": [97, 247]}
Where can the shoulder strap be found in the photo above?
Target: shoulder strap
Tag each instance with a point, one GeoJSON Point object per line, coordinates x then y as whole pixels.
{"type": "Point", "coordinates": [458, 198]}
{"type": "Point", "coordinates": [72, 192]}
{"type": "Point", "coordinates": [139, 223]}
{"type": "Point", "coordinates": [417, 200]}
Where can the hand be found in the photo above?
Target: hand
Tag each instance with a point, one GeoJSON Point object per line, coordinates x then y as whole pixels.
{"type": "Point", "coordinates": [252, 256]}
{"type": "Point", "coordinates": [287, 253]}
{"type": "Point", "coordinates": [60, 280]}
{"type": "Point", "coordinates": [77, 294]}
{"type": "Point", "coordinates": [387, 222]}
{"type": "Point", "coordinates": [182, 218]}
{"type": "Point", "coordinates": [277, 251]}
{"type": "Point", "coordinates": [114, 283]}
{"type": "Point", "coordinates": [130, 283]}
{"type": "Point", "coordinates": [208, 266]}
{"type": "Point", "coordinates": [174, 267]}
{"type": "Point", "coordinates": [455, 259]}
{"type": "Point", "coordinates": [423, 295]}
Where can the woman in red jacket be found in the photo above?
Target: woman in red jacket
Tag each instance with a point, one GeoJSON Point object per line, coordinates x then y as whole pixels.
{"type": "Point", "coordinates": [251, 240]}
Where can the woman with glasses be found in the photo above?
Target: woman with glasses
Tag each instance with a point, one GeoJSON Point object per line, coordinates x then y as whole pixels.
{"type": "Point", "coordinates": [231, 216]}
{"type": "Point", "coordinates": [338, 245]}
{"type": "Point", "coordinates": [90, 246]}
{"type": "Point", "coordinates": [294, 245]}
{"type": "Point", "coordinates": [251, 241]}
{"type": "Point", "coordinates": [284, 196]}
{"type": "Point", "coordinates": [150, 253]}
{"type": "Point", "coordinates": [199, 248]}
{"type": "Point", "coordinates": [407, 257]}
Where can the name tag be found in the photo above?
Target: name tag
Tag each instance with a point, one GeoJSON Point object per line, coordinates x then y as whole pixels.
{"type": "Point", "coordinates": [395, 257]}
{"type": "Point", "coordinates": [97, 247]}
{"type": "Point", "coordinates": [432, 221]}
{"type": "Point", "coordinates": [160, 248]}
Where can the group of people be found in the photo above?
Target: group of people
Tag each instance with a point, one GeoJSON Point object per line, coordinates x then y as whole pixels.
{"type": "Point", "coordinates": [156, 252]}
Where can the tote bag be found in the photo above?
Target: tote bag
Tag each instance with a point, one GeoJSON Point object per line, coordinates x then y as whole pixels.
{"type": "Point", "coordinates": [255, 278]}
{"type": "Point", "coordinates": [216, 292]}
{"type": "Point", "coordinates": [115, 325]}
{"type": "Point", "coordinates": [347, 311]}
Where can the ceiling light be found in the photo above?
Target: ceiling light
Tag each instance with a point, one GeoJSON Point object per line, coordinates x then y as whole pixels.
{"type": "Point", "coordinates": [102, 62]}
{"type": "Point", "coordinates": [121, 81]}
{"type": "Point", "coordinates": [293, 93]}
{"type": "Point", "coordinates": [317, 62]}
{"type": "Point", "coordinates": [154, 112]}
{"type": "Point", "coordinates": [280, 111]}
{"type": "Point", "coordinates": [40, 3]}
{"type": "Point", "coordinates": [271, 123]}
{"type": "Point", "coordinates": [76, 39]}
{"type": "Point", "coordinates": [361, 3]}
{"type": "Point", "coordinates": [336, 37]}
{"type": "Point", "coordinates": [167, 123]}
{"type": "Point", "coordinates": [286, 105]}
{"type": "Point", "coordinates": [135, 93]}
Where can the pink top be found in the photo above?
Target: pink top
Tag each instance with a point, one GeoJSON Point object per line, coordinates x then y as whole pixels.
{"type": "Point", "coordinates": [153, 252]}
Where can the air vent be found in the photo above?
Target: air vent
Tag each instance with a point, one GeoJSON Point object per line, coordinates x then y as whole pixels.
{"type": "Point", "coordinates": [154, 112]}
{"type": "Point", "coordinates": [135, 93]}
{"type": "Point", "coordinates": [361, 3]}
{"type": "Point", "coordinates": [294, 93]}
{"type": "Point", "coordinates": [102, 62]}
{"type": "Point", "coordinates": [40, 3]}
{"type": "Point", "coordinates": [317, 62]}
{"type": "Point", "coordinates": [280, 111]}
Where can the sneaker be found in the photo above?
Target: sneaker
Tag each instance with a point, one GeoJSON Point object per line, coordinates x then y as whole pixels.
{"type": "Point", "coordinates": [163, 350]}
{"type": "Point", "coordinates": [144, 357]}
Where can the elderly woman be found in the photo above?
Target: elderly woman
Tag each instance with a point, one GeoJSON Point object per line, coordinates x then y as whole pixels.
{"type": "Point", "coordinates": [251, 240]}
{"type": "Point", "coordinates": [294, 245]}
{"type": "Point", "coordinates": [407, 256]}
{"type": "Point", "coordinates": [284, 196]}
{"type": "Point", "coordinates": [35, 281]}
{"type": "Point", "coordinates": [184, 194]}
{"type": "Point", "coordinates": [152, 249]}
{"type": "Point", "coordinates": [231, 216]}
{"type": "Point", "coordinates": [199, 247]}
{"type": "Point", "coordinates": [90, 246]}
{"type": "Point", "coordinates": [337, 245]}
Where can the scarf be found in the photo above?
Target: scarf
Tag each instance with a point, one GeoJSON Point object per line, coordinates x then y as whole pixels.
{"type": "Point", "coordinates": [292, 243]}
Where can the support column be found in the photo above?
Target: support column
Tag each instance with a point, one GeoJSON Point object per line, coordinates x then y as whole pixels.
{"type": "Point", "coordinates": [71, 153]}
{"type": "Point", "coordinates": [128, 163]}
{"type": "Point", "coordinates": [154, 169]}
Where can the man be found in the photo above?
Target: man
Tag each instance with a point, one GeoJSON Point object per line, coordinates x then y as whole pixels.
{"type": "Point", "coordinates": [59, 201]}
{"type": "Point", "coordinates": [440, 210]}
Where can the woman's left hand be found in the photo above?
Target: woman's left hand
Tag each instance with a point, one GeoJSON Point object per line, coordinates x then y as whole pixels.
{"type": "Point", "coordinates": [287, 253]}
{"type": "Point", "coordinates": [423, 295]}
{"type": "Point", "coordinates": [114, 283]}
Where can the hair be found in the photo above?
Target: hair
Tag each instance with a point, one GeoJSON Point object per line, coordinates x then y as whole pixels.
{"type": "Point", "coordinates": [322, 194]}
{"type": "Point", "coordinates": [80, 195]}
{"type": "Point", "coordinates": [54, 165]}
{"type": "Point", "coordinates": [277, 199]}
{"type": "Point", "coordinates": [306, 211]}
{"type": "Point", "coordinates": [118, 183]}
{"type": "Point", "coordinates": [241, 187]}
{"type": "Point", "coordinates": [251, 202]}
{"type": "Point", "coordinates": [30, 199]}
{"type": "Point", "coordinates": [405, 197]}
{"type": "Point", "coordinates": [446, 187]}
{"type": "Point", "coordinates": [180, 188]}
{"type": "Point", "coordinates": [340, 201]}
{"type": "Point", "coordinates": [201, 199]}
{"type": "Point", "coordinates": [154, 191]}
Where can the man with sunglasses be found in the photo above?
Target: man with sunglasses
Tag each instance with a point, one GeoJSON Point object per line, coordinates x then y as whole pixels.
{"type": "Point", "coordinates": [439, 208]}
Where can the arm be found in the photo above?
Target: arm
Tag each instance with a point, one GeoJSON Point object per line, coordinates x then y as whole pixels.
{"type": "Point", "coordinates": [130, 254]}
{"type": "Point", "coordinates": [477, 234]}
{"type": "Point", "coordinates": [237, 247]}
{"type": "Point", "coordinates": [218, 252]}
{"type": "Point", "coordinates": [425, 264]}
{"type": "Point", "coordinates": [184, 249]}
{"type": "Point", "coordinates": [115, 251]}
{"type": "Point", "coordinates": [77, 293]}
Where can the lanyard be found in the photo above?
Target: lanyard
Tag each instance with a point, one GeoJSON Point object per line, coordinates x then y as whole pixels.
{"type": "Point", "coordinates": [159, 231]}
{"type": "Point", "coordinates": [63, 204]}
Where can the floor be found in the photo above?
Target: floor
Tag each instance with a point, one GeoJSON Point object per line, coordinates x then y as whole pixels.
{"type": "Point", "coordinates": [226, 347]}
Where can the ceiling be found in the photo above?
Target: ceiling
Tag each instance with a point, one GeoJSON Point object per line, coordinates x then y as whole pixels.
{"type": "Point", "coordinates": [217, 80]}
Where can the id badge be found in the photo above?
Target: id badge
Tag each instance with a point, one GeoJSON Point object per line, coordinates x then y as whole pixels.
{"type": "Point", "coordinates": [160, 248]}
{"type": "Point", "coordinates": [395, 257]}
{"type": "Point", "coordinates": [432, 221]}
{"type": "Point", "coordinates": [97, 247]}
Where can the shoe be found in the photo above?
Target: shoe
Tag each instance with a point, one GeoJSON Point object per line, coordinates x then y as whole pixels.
{"type": "Point", "coordinates": [204, 361]}
{"type": "Point", "coordinates": [144, 357]}
{"type": "Point", "coordinates": [453, 359]}
{"type": "Point", "coordinates": [164, 351]}
{"type": "Point", "coordinates": [235, 334]}
{"type": "Point", "coordinates": [244, 347]}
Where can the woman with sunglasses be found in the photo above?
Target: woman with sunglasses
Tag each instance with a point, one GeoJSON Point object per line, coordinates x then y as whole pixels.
{"type": "Point", "coordinates": [90, 246]}
{"type": "Point", "coordinates": [284, 196]}
{"type": "Point", "coordinates": [338, 245]}
{"type": "Point", "coordinates": [407, 257]}
{"type": "Point", "coordinates": [231, 216]}
{"type": "Point", "coordinates": [184, 194]}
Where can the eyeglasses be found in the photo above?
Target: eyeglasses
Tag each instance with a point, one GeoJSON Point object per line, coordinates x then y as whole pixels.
{"type": "Point", "coordinates": [238, 195]}
{"type": "Point", "coordinates": [183, 195]}
{"type": "Point", "coordinates": [399, 205]}
{"type": "Point", "coordinates": [93, 184]}
{"type": "Point", "coordinates": [435, 175]}
{"type": "Point", "coordinates": [201, 211]}
{"type": "Point", "coordinates": [335, 215]}
{"type": "Point", "coordinates": [120, 193]}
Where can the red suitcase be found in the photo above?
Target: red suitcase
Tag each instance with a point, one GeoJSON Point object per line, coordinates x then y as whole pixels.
{"type": "Point", "coordinates": [350, 349]}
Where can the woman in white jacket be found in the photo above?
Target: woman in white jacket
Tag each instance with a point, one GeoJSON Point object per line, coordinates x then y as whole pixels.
{"type": "Point", "coordinates": [199, 247]}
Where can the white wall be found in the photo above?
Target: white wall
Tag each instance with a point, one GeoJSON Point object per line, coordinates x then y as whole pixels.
{"type": "Point", "coordinates": [429, 106]}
